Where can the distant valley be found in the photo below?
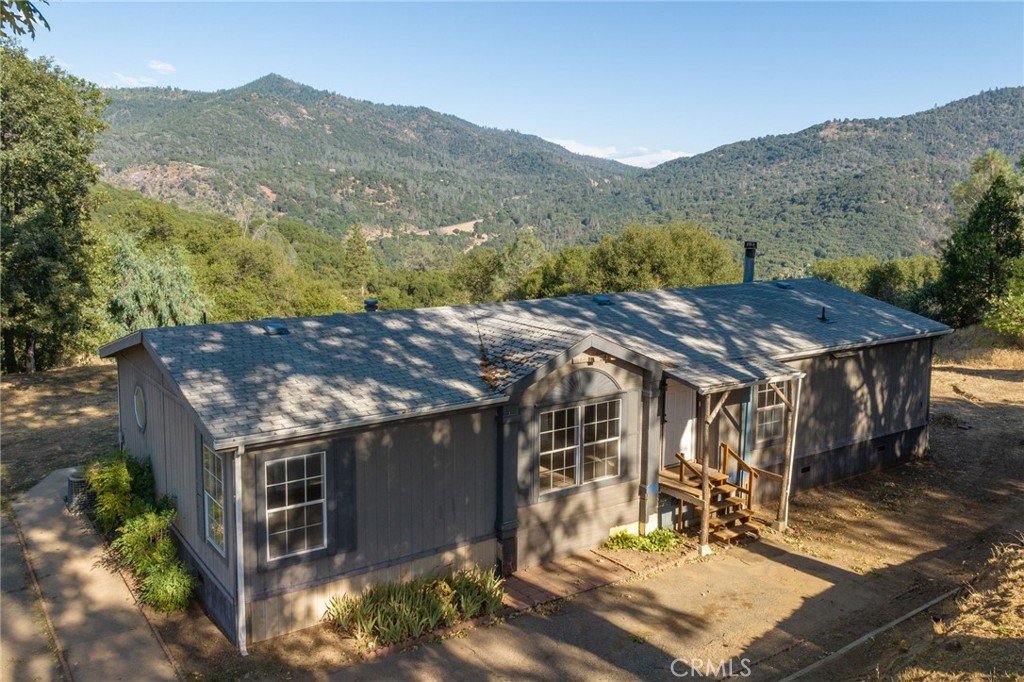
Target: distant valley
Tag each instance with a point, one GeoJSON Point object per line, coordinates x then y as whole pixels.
{"type": "Point", "coordinates": [276, 148]}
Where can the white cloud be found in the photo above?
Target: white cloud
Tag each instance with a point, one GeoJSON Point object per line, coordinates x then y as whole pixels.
{"type": "Point", "coordinates": [161, 67]}
{"type": "Point", "coordinates": [133, 81]}
{"type": "Point", "coordinates": [638, 156]}
{"type": "Point", "coordinates": [590, 150]}
{"type": "Point", "coordinates": [648, 159]}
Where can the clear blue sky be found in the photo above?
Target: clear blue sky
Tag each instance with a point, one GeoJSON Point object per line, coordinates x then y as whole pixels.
{"type": "Point", "coordinates": [635, 81]}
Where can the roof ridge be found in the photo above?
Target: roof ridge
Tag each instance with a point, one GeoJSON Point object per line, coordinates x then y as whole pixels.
{"type": "Point", "coordinates": [526, 322]}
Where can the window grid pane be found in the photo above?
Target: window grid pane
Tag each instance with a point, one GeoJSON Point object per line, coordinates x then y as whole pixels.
{"type": "Point", "coordinates": [213, 497]}
{"type": "Point", "coordinates": [601, 443]}
{"type": "Point", "coordinates": [579, 444]}
{"type": "Point", "coordinates": [296, 505]}
{"type": "Point", "coordinates": [558, 449]}
{"type": "Point", "coordinates": [770, 412]}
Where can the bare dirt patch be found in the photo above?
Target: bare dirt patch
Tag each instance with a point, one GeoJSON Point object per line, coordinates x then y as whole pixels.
{"type": "Point", "coordinates": [982, 638]}
{"type": "Point", "coordinates": [935, 520]}
{"type": "Point", "coordinates": [203, 653]}
{"type": "Point", "coordinates": [53, 420]}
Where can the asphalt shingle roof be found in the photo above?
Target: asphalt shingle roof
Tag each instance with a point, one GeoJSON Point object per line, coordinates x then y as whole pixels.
{"type": "Point", "coordinates": [338, 370]}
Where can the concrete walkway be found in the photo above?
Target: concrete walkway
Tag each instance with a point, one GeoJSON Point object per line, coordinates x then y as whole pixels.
{"type": "Point", "coordinates": [100, 632]}
{"type": "Point", "coordinates": [563, 578]}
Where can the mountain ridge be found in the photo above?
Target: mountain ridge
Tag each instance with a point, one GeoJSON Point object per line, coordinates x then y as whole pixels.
{"type": "Point", "coordinates": [277, 147]}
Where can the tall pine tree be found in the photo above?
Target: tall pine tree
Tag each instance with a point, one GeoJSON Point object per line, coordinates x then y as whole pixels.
{"type": "Point", "coordinates": [978, 259]}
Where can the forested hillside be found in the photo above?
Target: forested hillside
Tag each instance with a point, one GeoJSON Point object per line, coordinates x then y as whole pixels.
{"type": "Point", "coordinates": [275, 148]}
{"type": "Point", "coordinates": [279, 148]}
{"type": "Point", "coordinates": [875, 187]}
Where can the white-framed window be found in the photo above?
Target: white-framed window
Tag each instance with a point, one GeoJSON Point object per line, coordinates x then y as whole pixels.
{"type": "Point", "coordinates": [296, 505]}
{"type": "Point", "coordinates": [771, 412]}
{"type": "Point", "coordinates": [213, 497]}
{"type": "Point", "coordinates": [579, 444]}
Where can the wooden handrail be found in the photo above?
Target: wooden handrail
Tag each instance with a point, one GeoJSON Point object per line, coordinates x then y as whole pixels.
{"type": "Point", "coordinates": [686, 464]}
{"type": "Point", "coordinates": [752, 473]}
{"type": "Point", "coordinates": [728, 452]}
{"type": "Point", "coordinates": [771, 475]}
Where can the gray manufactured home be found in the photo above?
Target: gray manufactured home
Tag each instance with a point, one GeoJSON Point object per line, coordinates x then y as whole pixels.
{"type": "Point", "coordinates": [312, 456]}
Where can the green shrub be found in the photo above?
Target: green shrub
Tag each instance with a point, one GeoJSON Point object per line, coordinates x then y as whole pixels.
{"type": "Point", "coordinates": [387, 613]}
{"type": "Point", "coordinates": [145, 542]}
{"type": "Point", "coordinates": [111, 481]}
{"type": "Point", "coordinates": [142, 481]}
{"type": "Point", "coordinates": [126, 506]}
{"type": "Point", "coordinates": [659, 540]}
{"type": "Point", "coordinates": [1006, 312]}
{"type": "Point", "coordinates": [169, 587]}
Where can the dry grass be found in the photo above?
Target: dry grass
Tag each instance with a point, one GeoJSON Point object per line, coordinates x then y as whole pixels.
{"type": "Point", "coordinates": [53, 420]}
{"type": "Point", "coordinates": [984, 640]}
{"type": "Point", "coordinates": [980, 348]}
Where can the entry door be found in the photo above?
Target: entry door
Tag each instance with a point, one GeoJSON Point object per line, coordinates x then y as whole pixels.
{"type": "Point", "coordinates": [681, 416]}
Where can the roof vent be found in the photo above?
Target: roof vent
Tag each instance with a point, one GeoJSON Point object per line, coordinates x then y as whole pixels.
{"type": "Point", "coordinates": [784, 285]}
{"type": "Point", "coordinates": [371, 305]}
{"type": "Point", "coordinates": [275, 329]}
{"type": "Point", "coordinates": [603, 299]}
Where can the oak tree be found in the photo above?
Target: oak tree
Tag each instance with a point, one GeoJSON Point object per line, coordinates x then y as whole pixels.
{"type": "Point", "coordinates": [47, 133]}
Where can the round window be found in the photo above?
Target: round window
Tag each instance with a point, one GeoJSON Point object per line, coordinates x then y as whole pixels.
{"type": "Point", "coordinates": [140, 408]}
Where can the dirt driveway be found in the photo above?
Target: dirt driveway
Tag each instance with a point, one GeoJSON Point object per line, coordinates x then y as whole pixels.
{"type": "Point", "coordinates": [859, 554]}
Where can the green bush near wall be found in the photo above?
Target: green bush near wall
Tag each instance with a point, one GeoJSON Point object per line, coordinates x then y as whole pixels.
{"type": "Point", "coordinates": [659, 540]}
{"type": "Point", "coordinates": [127, 508]}
{"type": "Point", "coordinates": [388, 613]}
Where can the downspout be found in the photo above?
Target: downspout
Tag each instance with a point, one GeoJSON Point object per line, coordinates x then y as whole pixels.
{"type": "Point", "coordinates": [239, 557]}
{"type": "Point", "coordinates": [663, 419]}
{"type": "Point", "coordinates": [507, 522]}
{"type": "Point", "coordinates": [645, 443]}
{"type": "Point", "coordinates": [782, 520]}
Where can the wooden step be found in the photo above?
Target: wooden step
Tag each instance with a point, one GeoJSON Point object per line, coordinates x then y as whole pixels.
{"type": "Point", "coordinates": [726, 504]}
{"type": "Point", "coordinates": [727, 533]}
{"type": "Point", "coordinates": [742, 516]}
{"type": "Point", "coordinates": [716, 488]}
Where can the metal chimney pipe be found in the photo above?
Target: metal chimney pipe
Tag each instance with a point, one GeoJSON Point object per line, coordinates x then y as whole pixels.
{"type": "Point", "coordinates": [749, 252]}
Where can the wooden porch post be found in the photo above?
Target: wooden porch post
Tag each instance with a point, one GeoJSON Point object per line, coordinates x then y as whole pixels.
{"type": "Point", "coordinates": [792, 408]}
{"type": "Point", "coordinates": [703, 436]}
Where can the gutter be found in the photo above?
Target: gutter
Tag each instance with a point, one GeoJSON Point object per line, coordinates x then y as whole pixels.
{"type": "Point", "coordinates": [308, 431]}
{"type": "Point", "coordinates": [853, 345]}
{"type": "Point", "coordinates": [803, 354]}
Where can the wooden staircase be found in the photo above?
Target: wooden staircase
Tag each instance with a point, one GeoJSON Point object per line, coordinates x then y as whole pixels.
{"type": "Point", "coordinates": [730, 505]}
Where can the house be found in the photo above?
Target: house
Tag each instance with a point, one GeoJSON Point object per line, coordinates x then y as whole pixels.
{"type": "Point", "coordinates": [311, 456]}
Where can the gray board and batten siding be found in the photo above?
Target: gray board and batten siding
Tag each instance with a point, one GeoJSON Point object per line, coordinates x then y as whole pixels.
{"type": "Point", "coordinates": [556, 523]}
{"type": "Point", "coordinates": [428, 421]}
{"type": "Point", "coordinates": [157, 424]}
{"type": "Point", "coordinates": [860, 410]}
{"type": "Point", "coordinates": [409, 497]}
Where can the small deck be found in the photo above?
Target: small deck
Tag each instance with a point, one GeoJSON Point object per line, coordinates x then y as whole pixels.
{"type": "Point", "coordinates": [731, 514]}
